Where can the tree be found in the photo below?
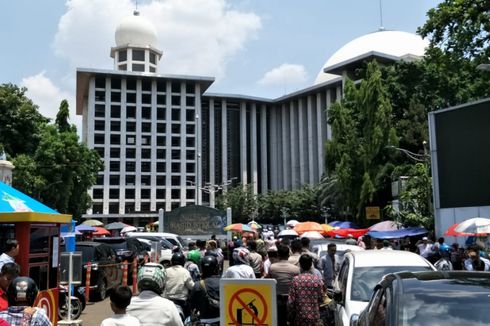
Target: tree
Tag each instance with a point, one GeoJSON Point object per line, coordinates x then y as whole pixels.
{"type": "Point", "coordinates": [20, 121]}
{"type": "Point", "coordinates": [358, 162]}
{"type": "Point", "coordinates": [241, 200]}
{"type": "Point", "coordinates": [61, 170]}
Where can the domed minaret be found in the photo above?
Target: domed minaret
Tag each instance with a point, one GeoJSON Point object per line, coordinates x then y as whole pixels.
{"type": "Point", "coordinates": [135, 50]}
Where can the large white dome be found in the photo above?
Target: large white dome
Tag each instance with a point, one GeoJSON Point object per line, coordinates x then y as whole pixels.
{"type": "Point", "coordinates": [393, 43]}
{"type": "Point", "coordinates": [137, 31]}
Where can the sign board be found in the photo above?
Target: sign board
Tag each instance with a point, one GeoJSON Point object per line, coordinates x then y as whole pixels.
{"type": "Point", "coordinates": [372, 213]}
{"type": "Point", "coordinates": [195, 220]}
{"type": "Point", "coordinates": [248, 302]}
{"type": "Point", "coordinates": [48, 300]}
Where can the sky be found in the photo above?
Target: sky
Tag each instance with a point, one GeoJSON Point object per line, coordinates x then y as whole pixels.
{"type": "Point", "coordinates": [263, 48]}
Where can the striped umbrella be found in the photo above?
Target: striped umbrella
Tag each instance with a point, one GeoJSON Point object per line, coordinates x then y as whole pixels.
{"type": "Point", "coordinates": [238, 227]}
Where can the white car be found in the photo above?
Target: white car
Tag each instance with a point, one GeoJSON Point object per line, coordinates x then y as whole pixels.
{"type": "Point", "coordinates": [362, 270]}
{"type": "Point", "coordinates": [342, 248]}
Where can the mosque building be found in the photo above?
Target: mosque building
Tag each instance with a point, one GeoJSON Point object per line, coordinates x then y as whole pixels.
{"type": "Point", "coordinates": [166, 142]}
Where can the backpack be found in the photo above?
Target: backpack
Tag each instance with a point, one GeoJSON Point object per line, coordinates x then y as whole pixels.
{"type": "Point", "coordinates": [213, 303]}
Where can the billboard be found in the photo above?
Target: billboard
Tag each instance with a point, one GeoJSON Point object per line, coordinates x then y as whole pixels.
{"type": "Point", "coordinates": [195, 220]}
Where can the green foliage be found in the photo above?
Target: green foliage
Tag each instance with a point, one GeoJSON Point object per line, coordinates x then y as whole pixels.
{"type": "Point", "coordinates": [415, 196]}
{"type": "Point", "coordinates": [20, 122]}
{"type": "Point", "coordinates": [53, 166]}
{"type": "Point", "coordinates": [357, 158]}
{"type": "Point", "coordinates": [241, 200]}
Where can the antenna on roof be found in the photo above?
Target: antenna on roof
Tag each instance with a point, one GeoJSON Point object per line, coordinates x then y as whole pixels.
{"type": "Point", "coordinates": [381, 27]}
{"type": "Point", "coordinates": [136, 12]}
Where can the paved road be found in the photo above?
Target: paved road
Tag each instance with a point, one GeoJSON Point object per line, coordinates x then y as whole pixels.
{"type": "Point", "coordinates": [95, 313]}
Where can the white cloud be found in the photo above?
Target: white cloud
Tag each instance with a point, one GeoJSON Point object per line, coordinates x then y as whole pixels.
{"type": "Point", "coordinates": [44, 93]}
{"type": "Point", "coordinates": [285, 74]}
{"type": "Point", "coordinates": [197, 37]}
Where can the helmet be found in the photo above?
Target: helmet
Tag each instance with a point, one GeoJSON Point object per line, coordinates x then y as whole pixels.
{"type": "Point", "coordinates": [194, 256]}
{"type": "Point", "coordinates": [444, 248]}
{"type": "Point", "coordinates": [209, 265]}
{"type": "Point", "coordinates": [240, 255]}
{"type": "Point", "coordinates": [152, 276]}
{"type": "Point", "coordinates": [178, 258]}
{"type": "Point", "coordinates": [22, 290]}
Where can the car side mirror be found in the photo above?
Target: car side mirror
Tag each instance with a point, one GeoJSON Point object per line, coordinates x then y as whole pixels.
{"type": "Point", "coordinates": [337, 296]}
{"type": "Point", "coordinates": [353, 320]}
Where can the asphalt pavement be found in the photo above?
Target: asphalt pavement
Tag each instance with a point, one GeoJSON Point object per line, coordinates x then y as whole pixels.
{"type": "Point", "coordinates": [95, 313]}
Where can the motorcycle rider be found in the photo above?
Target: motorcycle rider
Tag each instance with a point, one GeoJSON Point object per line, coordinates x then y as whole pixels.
{"type": "Point", "coordinates": [149, 307]}
{"type": "Point", "coordinates": [179, 282]}
{"type": "Point", "coordinates": [444, 263]}
{"type": "Point", "coordinates": [192, 264]}
{"type": "Point", "coordinates": [204, 298]}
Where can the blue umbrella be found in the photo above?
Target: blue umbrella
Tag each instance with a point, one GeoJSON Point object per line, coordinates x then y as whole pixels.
{"type": "Point", "coordinates": [344, 224]}
{"type": "Point", "coordinates": [85, 228]}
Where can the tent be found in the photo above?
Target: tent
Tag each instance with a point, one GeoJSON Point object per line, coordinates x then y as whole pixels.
{"type": "Point", "coordinates": [397, 234]}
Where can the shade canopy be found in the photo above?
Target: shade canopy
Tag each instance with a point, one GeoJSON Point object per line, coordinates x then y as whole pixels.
{"type": "Point", "coordinates": [307, 227]}
{"type": "Point", "coordinates": [397, 234]}
{"type": "Point", "coordinates": [312, 235]}
{"type": "Point", "coordinates": [16, 206]}
{"type": "Point", "coordinates": [238, 227]}
{"type": "Point", "coordinates": [92, 223]}
{"type": "Point", "coordinates": [287, 233]}
{"type": "Point", "coordinates": [116, 226]}
{"type": "Point", "coordinates": [344, 233]}
{"type": "Point", "coordinates": [476, 226]}
{"type": "Point", "coordinates": [386, 226]}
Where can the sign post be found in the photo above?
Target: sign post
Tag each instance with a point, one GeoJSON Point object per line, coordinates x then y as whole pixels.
{"type": "Point", "coordinates": [248, 302]}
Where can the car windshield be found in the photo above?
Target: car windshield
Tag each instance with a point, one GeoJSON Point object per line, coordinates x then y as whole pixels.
{"type": "Point", "coordinates": [365, 279]}
{"type": "Point", "coordinates": [455, 305]}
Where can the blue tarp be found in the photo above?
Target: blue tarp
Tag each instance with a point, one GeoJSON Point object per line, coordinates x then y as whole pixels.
{"type": "Point", "coordinates": [396, 234]}
{"type": "Point", "coordinates": [344, 224]}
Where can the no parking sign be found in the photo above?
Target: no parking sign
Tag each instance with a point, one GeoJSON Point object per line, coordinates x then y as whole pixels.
{"type": "Point", "coordinates": [248, 302]}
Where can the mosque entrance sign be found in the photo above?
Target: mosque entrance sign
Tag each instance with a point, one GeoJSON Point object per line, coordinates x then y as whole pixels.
{"type": "Point", "coordinates": [195, 220]}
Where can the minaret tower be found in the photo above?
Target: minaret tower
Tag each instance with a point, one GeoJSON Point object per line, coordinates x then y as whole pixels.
{"type": "Point", "coordinates": [135, 50]}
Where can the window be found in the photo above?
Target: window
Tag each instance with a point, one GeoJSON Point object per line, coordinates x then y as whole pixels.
{"type": "Point", "coordinates": [138, 67]}
{"type": "Point", "coordinates": [146, 85]}
{"type": "Point", "coordinates": [115, 111]}
{"type": "Point", "coordinates": [190, 142]}
{"type": "Point", "coordinates": [146, 153]}
{"type": "Point", "coordinates": [175, 154]}
{"type": "Point", "coordinates": [146, 98]}
{"type": "Point", "coordinates": [97, 208]}
{"type": "Point", "coordinates": [145, 207]}
{"type": "Point", "coordinates": [99, 125]}
{"type": "Point", "coordinates": [161, 86]}
{"type": "Point", "coordinates": [146, 127]}
{"type": "Point", "coordinates": [175, 181]}
{"type": "Point", "coordinates": [98, 193]}
{"type": "Point", "coordinates": [160, 180]}
{"type": "Point", "coordinates": [152, 69]}
{"type": "Point", "coordinates": [190, 167]}
{"type": "Point", "coordinates": [114, 166]}
{"type": "Point", "coordinates": [189, 115]}
{"type": "Point", "coordinates": [175, 114]}
{"type": "Point", "coordinates": [113, 208]}
{"type": "Point", "coordinates": [100, 151]}
{"type": "Point", "coordinates": [130, 97]}
{"type": "Point", "coordinates": [114, 180]}
{"type": "Point", "coordinates": [160, 128]}
{"type": "Point", "coordinates": [129, 193]}
{"type": "Point", "coordinates": [160, 167]}
{"type": "Point", "coordinates": [161, 112]}
{"type": "Point", "coordinates": [175, 193]}
{"type": "Point", "coordinates": [190, 101]}
{"type": "Point", "coordinates": [123, 67]}
{"type": "Point", "coordinates": [129, 208]}
{"type": "Point", "coordinates": [115, 152]}
{"type": "Point", "coordinates": [115, 126]}
{"type": "Point", "coordinates": [138, 55]}
{"type": "Point", "coordinates": [115, 83]}
{"type": "Point", "coordinates": [175, 167]}
{"type": "Point", "coordinates": [145, 140]}
{"type": "Point", "coordinates": [176, 100]}
{"type": "Point", "coordinates": [190, 88]}
{"type": "Point", "coordinates": [146, 180]}
{"type": "Point", "coordinates": [123, 55]}
{"type": "Point", "coordinates": [100, 96]}
{"type": "Point", "coordinates": [175, 128]}
{"type": "Point", "coordinates": [130, 180]}
{"type": "Point", "coordinates": [146, 112]}
{"type": "Point", "coordinates": [160, 140]}
{"type": "Point", "coordinates": [145, 167]}
{"type": "Point", "coordinates": [130, 126]}
{"type": "Point", "coordinates": [99, 110]}
{"type": "Point", "coordinates": [161, 99]}
{"type": "Point", "coordinates": [100, 180]}
{"type": "Point", "coordinates": [191, 155]}
{"type": "Point", "coordinates": [130, 166]}
{"type": "Point", "coordinates": [130, 153]}
{"type": "Point", "coordinates": [100, 82]}
{"type": "Point", "coordinates": [190, 129]}
{"type": "Point", "coordinates": [130, 112]}
{"type": "Point", "coordinates": [130, 140]}
{"type": "Point", "coordinates": [115, 96]}
{"type": "Point", "coordinates": [115, 139]}
{"type": "Point", "coordinates": [99, 139]}
{"type": "Point", "coordinates": [113, 193]}
{"type": "Point", "coordinates": [176, 141]}
{"type": "Point", "coordinates": [160, 194]}
{"type": "Point", "coordinates": [145, 193]}
{"type": "Point", "coordinates": [160, 154]}
{"type": "Point", "coordinates": [190, 193]}
{"type": "Point", "coordinates": [175, 87]}
{"type": "Point", "coordinates": [131, 84]}
{"type": "Point", "coordinates": [153, 58]}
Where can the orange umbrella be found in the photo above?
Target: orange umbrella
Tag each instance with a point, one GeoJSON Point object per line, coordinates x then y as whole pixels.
{"type": "Point", "coordinates": [307, 227]}
{"type": "Point", "coordinates": [327, 228]}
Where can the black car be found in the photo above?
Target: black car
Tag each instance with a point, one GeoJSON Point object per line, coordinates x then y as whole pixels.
{"type": "Point", "coordinates": [428, 298]}
{"type": "Point", "coordinates": [106, 272]}
{"type": "Point", "coordinates": [127, 249]}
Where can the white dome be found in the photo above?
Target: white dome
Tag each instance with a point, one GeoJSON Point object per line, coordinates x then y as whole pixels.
{"type": "Point", "coordinates": [393, 43]}
{"type": "Point", "coordinates": [137, 31]}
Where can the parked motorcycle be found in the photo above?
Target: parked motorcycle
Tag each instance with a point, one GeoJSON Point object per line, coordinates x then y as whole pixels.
{"type": "Point", "coordinates": [77, 302]}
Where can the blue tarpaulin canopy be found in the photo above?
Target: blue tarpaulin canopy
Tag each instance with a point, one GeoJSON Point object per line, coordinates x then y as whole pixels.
{"type": "Point", "coordinates": [16, 206]}
{"type": "Point", "coordinates": [396, 234]}
{"type": "Point", "coordinates": [344, 224]}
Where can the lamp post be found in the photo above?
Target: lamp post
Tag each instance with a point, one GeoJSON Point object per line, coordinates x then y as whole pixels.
{"type": "Point", "coordinates": [285, 214]}
{"type": "Point", "coordinates": [325, 213]}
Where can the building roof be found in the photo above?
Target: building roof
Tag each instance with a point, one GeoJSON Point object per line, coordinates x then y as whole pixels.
{"type": "Point", "coordinates": [394, 45]}
{"type": "Point", "coordinates": [136, 31]}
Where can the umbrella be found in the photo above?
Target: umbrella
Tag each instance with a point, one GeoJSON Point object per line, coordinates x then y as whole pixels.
{"type": "Point", "coordinates": [85, 228]}
{"type": "Point", "coordinates": [386, 226]}
{"type": "Point", "coordinates": [93, 223]}
{"type": "Point", "coordinates": [254, 225]}
{"type": "Point", "coordinates": [308, 226]}
{"type": "Point", "coordinates": [312, 235]}
{"type": "Point", "coordinates": [344, 224]}
{"type": "Point", "coordinates": [327, 228]}
{"type": "Point", "coordinates": [292, 223]}
{"type": "Point", "coordinates": [451, 232]}
{"type": "Point", "coordinates": [100, 231]}
{"type": "Point", "coordinates": [476, 225]}
{"type": "Point", "coordinates": [344, 233]}
{"type": "Point", "coordinates": [287, 233]}
{"type": "Point", "coordinates": [115, 226]}
{"type": "Point", "coordinates": [129, 228]}
{"type": "Point", "coordinates": [238, 227]}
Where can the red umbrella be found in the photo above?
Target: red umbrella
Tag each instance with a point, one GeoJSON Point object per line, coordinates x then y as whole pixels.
{"type": "Point", "coordinates": [451, 232]}
{"type": "Point", "coordinates": [100, 231]}
{"type": "Point", "coordinates": [356, 233]}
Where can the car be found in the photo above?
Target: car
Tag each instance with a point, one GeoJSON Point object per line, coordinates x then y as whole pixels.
{"type": "Point", "coordinates": [127, 249]}
{"type": "Point", "coordinates": [428, 298]}
{"type": "Point", "coordinates": [171, 237]}
{"type": "Point", "coordinates": [158, 248]}
{"type": "Point", "coordinates": [362, 270]}
{"type": "Point", "coordinates": [106, 272]}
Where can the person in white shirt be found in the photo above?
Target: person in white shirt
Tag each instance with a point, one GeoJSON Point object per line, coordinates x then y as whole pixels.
{"type": "Point", "coordinates": [179, 282]}
{"type": "Point", "coordinates": [242, 268]}
{"type": "Point", "coordinates": [120, 299]}
{"type": "Point", "coordinates": [149, 307]}
{"type": "Point", "coordinates": [425, 248]}
{"type": "Point", "coordinates": [11, 250]}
